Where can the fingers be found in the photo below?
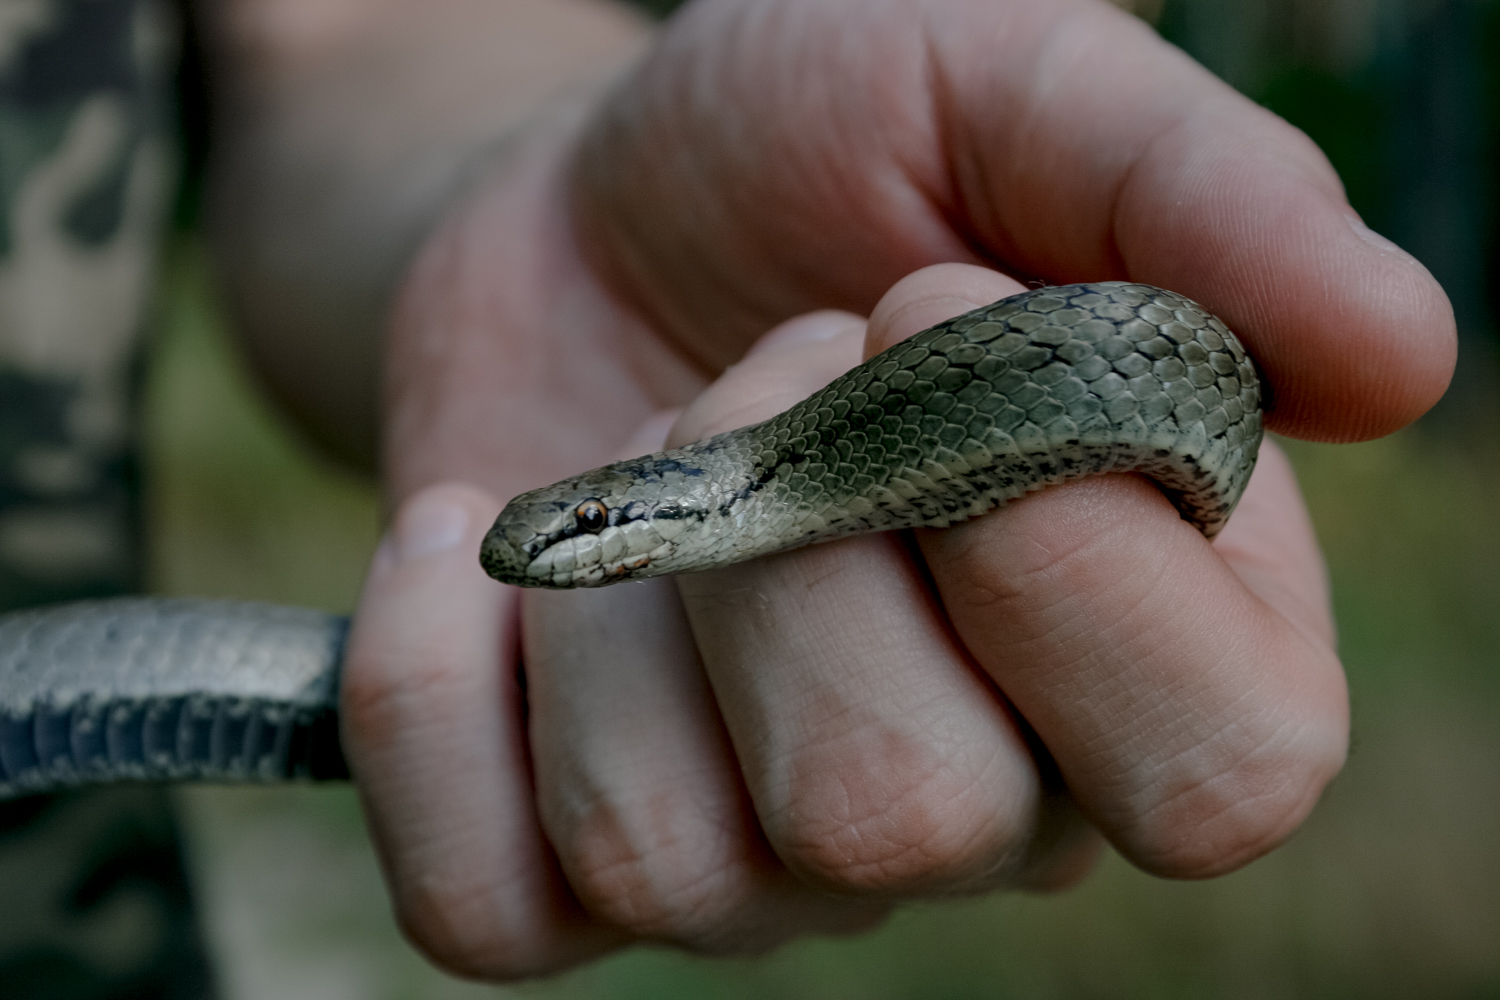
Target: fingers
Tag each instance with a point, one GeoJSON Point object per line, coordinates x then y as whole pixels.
{"type": "Point", "coordinates": [1185, 694]}
{"type": "Point", "coordinates": [432, 726]}
{"type": "Point", "coordinates": [1194, 724]}
{"type": "Point", "coordinates": [880, 761]}
{"type": "Point", "coordinates": [1188, 692]}
{"type": "Point", "coordinates": [1061, 140]}
{"type": "Point", "coordinates": [638, 787]}
{"type": "Point", "coordinates": [840, 741]}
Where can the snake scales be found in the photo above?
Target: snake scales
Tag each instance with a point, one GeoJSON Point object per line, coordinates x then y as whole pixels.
{"type": "Point", "coordinates": [1032, 391]}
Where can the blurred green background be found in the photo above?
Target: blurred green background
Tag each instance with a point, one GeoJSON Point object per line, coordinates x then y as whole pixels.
{"type": "Point", "coordinates": [1392, 889]}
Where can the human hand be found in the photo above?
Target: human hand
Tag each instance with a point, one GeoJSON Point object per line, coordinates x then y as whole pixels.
{"type": "Point", "coordinates": [513, 363]}
{"type": "Point", "coordinates": [797, 742]}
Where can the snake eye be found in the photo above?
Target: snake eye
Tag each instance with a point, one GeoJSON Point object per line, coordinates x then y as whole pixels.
{"type": "Point", "coordinates": [592, 516]}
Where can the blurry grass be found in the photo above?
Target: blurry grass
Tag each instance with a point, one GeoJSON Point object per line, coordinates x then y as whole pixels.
{"type": "Point", "coordinates": [237, 506]}
{"type": "Point", "coordinates": [1409, 526]}
{"type": "Point", "coordinates": [1392, 889]}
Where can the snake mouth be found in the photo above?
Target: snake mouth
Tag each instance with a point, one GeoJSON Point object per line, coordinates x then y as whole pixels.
{"type": "Point", "coordinates": [614, 554]}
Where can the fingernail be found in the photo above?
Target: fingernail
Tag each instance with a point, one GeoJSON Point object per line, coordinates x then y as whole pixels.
{"type": "Point", "coordinates": [812, 328]}
{"type": "Point", "coordinates": [428, 524]}
{"type": "Point", "coordinates": [1375, 240]}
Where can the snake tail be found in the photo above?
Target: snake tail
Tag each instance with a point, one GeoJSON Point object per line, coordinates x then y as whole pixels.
{"type": "Point", "coordinates": [154, 689]}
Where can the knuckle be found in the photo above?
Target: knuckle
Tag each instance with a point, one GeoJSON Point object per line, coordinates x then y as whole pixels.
{"type": "Point", "coordinates": [1201, 827]}
{"type": "Point", "coordinates": [365, 698]}
{"type": "Point", "coordinates": [379, 693]}
{"type": "Point", "coordinates": [906, 819]}
{"type": "Point", "coordinates": [658, 868]}
{"type": "Point", "coordinates": [457, 929]}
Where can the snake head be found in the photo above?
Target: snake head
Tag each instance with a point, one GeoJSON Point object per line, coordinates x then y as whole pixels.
{"type": "Point", "coordinates": [615, 523]}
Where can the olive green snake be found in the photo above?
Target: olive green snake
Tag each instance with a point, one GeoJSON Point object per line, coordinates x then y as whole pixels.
{"type": "Point", "coordinates": [1035, 390]}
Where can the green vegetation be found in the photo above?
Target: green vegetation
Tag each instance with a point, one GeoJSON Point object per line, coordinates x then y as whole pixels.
{"type": "Point", "coordinates": [1391, 890]}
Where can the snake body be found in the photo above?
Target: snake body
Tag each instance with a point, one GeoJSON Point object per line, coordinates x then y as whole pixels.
{"type": "Point", "coordinates": [1035, 390]}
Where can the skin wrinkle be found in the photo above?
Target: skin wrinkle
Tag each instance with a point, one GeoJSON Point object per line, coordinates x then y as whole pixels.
{"type": "Point", "coordinates": [1119, 687]}
{"type": "Point", "coordinates": [452, 915]}
{"type": "Point", "coordinates": [618, 774]}
{"type": "Point", "coordinates": [1173, 852]}
{"type": "Point", "coordinates": [1165, 697]}
{"type": "Point", "coordinates": [535, 296]}
{"type": "Point", "coordinates": [882, 235]}
{"type": "Point", "coordinates": [943, 193]}
{"type": "Point", "coordinates": [844, 750]}
{"type": "Point", "coordinates": [1014, 841]}
{"type": "Point", "coordinates": [1024, 594]}
{"type": "Point", "coordinates": [1039, 112]}
{"type": "Point", "coordinates": [828, 630]}
{"type": "Point", "coordinates": [904, 635]}
{"type": "Point", "coordinates": [761, 912]}
{"type": "Point", "coordinates": [821, 741]}
{"type": "Point", "coordinates": [644, 879]}
{"type": "Point", "coordinates": [1054, 557]}
{"type": "Point", "coordinates": [625, 347]}
{"type": "Point", "coordinates": [1127, 183]}
{"type": "Point", "coordinates": [885, 179]}
{"type": "Point", "coordinates": [1159, 719]}
{"type": "Point", "coordinates": [1207, 746]}
{"type": "Point", "coordinates": [476, 929]}
{"type": "Point", "coordinates": [841, 842]}
{"type": "Point", "coordinates": [521, 877]}
{"type": "Point", "coordinates": [1038, 109]}
{"type": "Point", "coordinates": [401, 707]}
{"type": "Point", "coordinates": [818, 737]}
{"type": "Point", "coordinates": [1231, 226]}
{"type": "Point", "coordinates": [810, 761]}
{"type": "Point", "coordinates": [936, 185]}
{"type": "Point", "coordinates": [624, 261]}
{"type": "Point", "coordinates": [1228, 758]}
{"type": "Point", "coordinates": [964, 205]}
{"type": "Point", "coordinates": [1106, 758]}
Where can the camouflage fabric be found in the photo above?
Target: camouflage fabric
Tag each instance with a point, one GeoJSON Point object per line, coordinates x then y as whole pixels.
{"type": "Point", "coordinates": [96, 902]}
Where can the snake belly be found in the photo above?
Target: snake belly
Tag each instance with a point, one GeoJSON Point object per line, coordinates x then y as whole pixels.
{"type": "Point", "coordinates": [1032, 391]}
{"type": "Point", "coordinates": [167, 689]}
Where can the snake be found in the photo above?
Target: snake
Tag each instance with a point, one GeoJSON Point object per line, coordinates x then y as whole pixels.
{"type": "Point", "coordinates": [1038, 389]}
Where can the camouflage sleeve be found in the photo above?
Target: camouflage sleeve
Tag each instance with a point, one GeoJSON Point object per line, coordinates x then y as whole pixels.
{"type": "Point", "coordinates": [87, 165]}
